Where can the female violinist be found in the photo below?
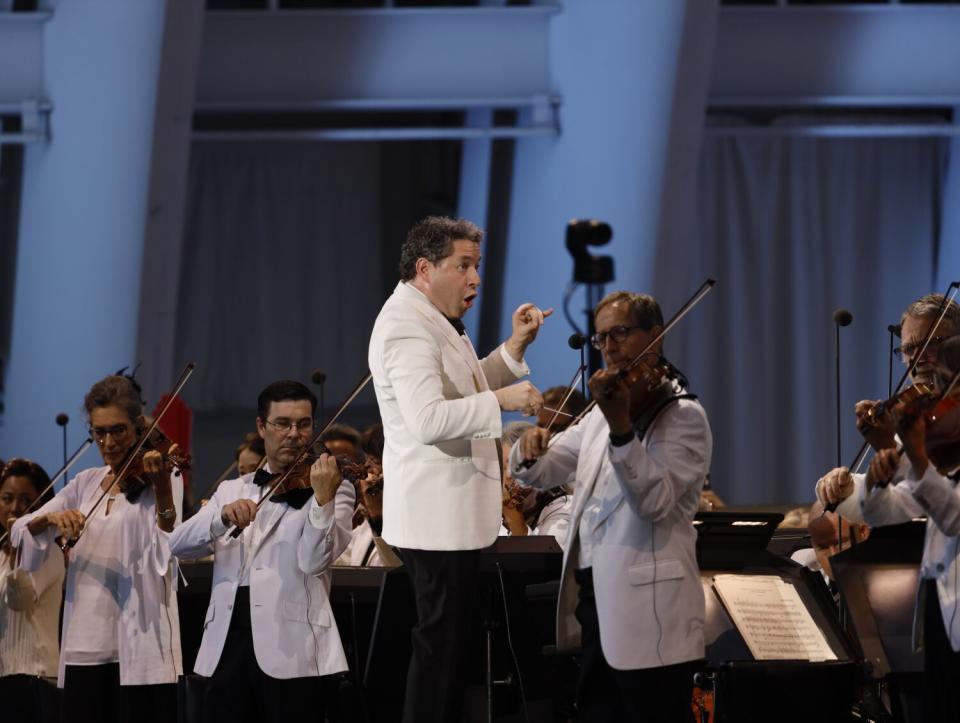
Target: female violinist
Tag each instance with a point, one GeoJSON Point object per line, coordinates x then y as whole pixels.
{"type": "Point", "coordinates": [29, 608]}
{"type": "Point", "coordinates": [120, 644]}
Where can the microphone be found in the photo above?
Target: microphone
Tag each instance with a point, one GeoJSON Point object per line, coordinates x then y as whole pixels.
{"type": "Point", "coordinates": [577, 341]}
{"type": "Point", "coordinates": [62, 420]}
{"type": "Point", "coordinates": [842, 317]}
{"type": "Point", "coordinates": [319, 377]}
{"type": "Point", "coordinates": [894, 329]}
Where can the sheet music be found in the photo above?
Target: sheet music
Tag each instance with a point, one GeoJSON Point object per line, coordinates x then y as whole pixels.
{"type": "Point", "coordinates": [772, 618]}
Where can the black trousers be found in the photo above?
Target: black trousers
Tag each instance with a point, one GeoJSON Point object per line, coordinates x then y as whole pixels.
{"type": "Point", "coordinates": [94, 693]}
{"type": "Point", "coordinates": [240, 691]}
{"type": "Point", "coordinates": [29, 699]}
{"type": "Point", "coordinates": [606, 694]}
{"type": "Point", "coordinates": [445, 586]}
{"type": "Point", "coordinates": [941, 665]}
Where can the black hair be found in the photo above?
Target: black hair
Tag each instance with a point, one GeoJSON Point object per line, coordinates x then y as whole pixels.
{"type": "Point", "coordinates": [282, 391]}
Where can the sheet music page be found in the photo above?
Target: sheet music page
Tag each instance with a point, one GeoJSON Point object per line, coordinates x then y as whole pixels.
{"type": "Point", "coordinates": [772, 618]}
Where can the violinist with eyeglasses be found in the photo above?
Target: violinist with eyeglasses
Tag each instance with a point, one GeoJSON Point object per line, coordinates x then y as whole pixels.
{"type": "Point", "coordinates": [269, 638]}
{"type": "Point", "coordinates": [914, 474]}
{"type": "Point", "coordinates": [630, 592]}
{"type": "Point", "coordinates": [120, 643]}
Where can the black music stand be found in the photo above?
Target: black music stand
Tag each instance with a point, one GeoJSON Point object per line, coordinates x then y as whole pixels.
{"type": "Point", "coordinates": [748, 689]}
{"type": "Point", "coordinates": [879, 579]}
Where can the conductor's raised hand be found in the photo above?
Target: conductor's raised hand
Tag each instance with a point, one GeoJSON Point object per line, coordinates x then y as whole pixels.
{"type": "Point", "coordinates": [527, 320]}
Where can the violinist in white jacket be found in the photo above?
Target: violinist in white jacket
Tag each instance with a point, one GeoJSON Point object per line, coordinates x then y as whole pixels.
{"type": "Point", "coordinates": [905, 483]}
{"type": "Point", "coordinates": [630, 595]}
{"type": "Point", "coordinates": [269, 634]}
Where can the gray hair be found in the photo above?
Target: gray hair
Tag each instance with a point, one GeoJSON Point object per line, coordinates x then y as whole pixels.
{"type": "Point", "coordinates": [513, 431]}
{"type": "Point", "coordinates": [644, 308]}
{"type": "Point", "coordinates": [929, 306]}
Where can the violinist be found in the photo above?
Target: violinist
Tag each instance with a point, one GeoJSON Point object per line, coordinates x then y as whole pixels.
{"type": "Point", "coordinates": [120, 644]}
{"type": "Point", "coordinates": [269, 636]}
{"type": "Point", "coordinates": [630, 592]}
{"type": "Point", "coordinates": [528, 511]}
{"type": "Point", "coordinates": [29, 608]}
{"type": "Point", "coordinates": [901, 484]}
{"type": "Point", "coordinates": [249, 453]}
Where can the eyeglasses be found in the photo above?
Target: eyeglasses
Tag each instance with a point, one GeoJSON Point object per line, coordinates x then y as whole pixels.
{"type": "Point", "coordinates": [908, 351]}
{"type": "Point", "coordinates": [618, 333]}
{"type": "Point", "coordinates": [119, 432]}
{"type": "Point", "coordinates": [285, 425]}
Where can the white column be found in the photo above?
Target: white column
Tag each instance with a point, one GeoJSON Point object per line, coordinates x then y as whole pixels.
{"type": "Point", "coordinates": [82, 220]}
{"type": "Point", "coordinates": [633, 77]}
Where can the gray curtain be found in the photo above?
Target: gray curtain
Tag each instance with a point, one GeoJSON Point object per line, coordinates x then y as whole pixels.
{"type": "Point", "coordinates": [281, 269]}
{"type": "Point", "coordinates": [793, 228]}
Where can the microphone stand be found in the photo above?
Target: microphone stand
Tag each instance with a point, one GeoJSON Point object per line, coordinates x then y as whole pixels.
{"type": "Point", "coordinates": [62, 420]}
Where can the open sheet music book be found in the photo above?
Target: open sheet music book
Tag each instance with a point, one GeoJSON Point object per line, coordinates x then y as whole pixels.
{"type": "Point", "coordinates": [771, 617]}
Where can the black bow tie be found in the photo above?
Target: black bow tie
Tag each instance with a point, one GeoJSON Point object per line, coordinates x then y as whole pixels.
{"type": "Point", "coordinates": [457, 324]}
{"type": "Point", "coordinates": [262, 477]}
{"type": "Point", "coordinates": [294, 498]}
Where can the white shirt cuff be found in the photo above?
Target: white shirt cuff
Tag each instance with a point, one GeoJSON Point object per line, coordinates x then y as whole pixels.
{"type": "Point", "coordinates": [518, 368]}
{"type": "Point", "coordinates": [321, 518]}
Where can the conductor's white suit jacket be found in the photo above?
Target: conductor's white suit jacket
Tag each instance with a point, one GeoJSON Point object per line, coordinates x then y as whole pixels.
{"type": "Point", "coordinates": [286, 555]}
{"type": "Point", "coordinates": [441, 425]}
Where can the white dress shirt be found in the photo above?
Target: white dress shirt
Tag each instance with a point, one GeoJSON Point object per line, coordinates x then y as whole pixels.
{"type": "Point", "coordinates": [30, 617]}
{"type": "Point", "coordinates": [138, 572]}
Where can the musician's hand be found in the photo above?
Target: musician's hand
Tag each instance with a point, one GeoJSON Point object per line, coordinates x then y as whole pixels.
{"type": "Point", "coordinates": [527, 320]}
{"type": "Point", "coordinates": [69, 523]}
{"type": "Point", "coordinates": [613, 398]}
{"type": "Point", "coordinates": [155, 467]}
{"type": "Point", "coordinates": [240, 513]}
{"type": "Point", "coordinates": [534, 442]}
{"type": "Point", "coordinates": [325, 478]}
{"type": "Point", "coordinates": [371, 494]}
{"type": "Point", "coordinates": [882, 468]}
{"type": "Point", "coordinates": [912, 429]}
{"type": "Point", "coordinates": [878, 431]}
{"type": "Point", "coordinates": [521, 397]}
{"type": "Point", "coordinates": [511, 502]}
{"type": "Point", "coordinates": [835, 486]}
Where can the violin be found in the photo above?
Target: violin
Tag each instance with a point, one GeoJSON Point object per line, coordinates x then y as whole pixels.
{"type": "Point", "coordinates": [297, 476]}
{"type": "Point", "coordinates": [941, 413]}
{"type": "Point", "coordinates": [897, 403]}
{"type": "Point", "coordinates": [135, 479]}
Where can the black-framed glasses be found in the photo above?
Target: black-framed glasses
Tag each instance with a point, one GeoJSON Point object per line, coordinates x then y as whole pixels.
{"type": "Point", "coordinates": [908, 351]}
{"type": "Point", "coordinates": [618, 333]}
{"type": "Point", "coordinates": [119, 432]}
{"type": "Point", "coordinates": [283, 424]}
